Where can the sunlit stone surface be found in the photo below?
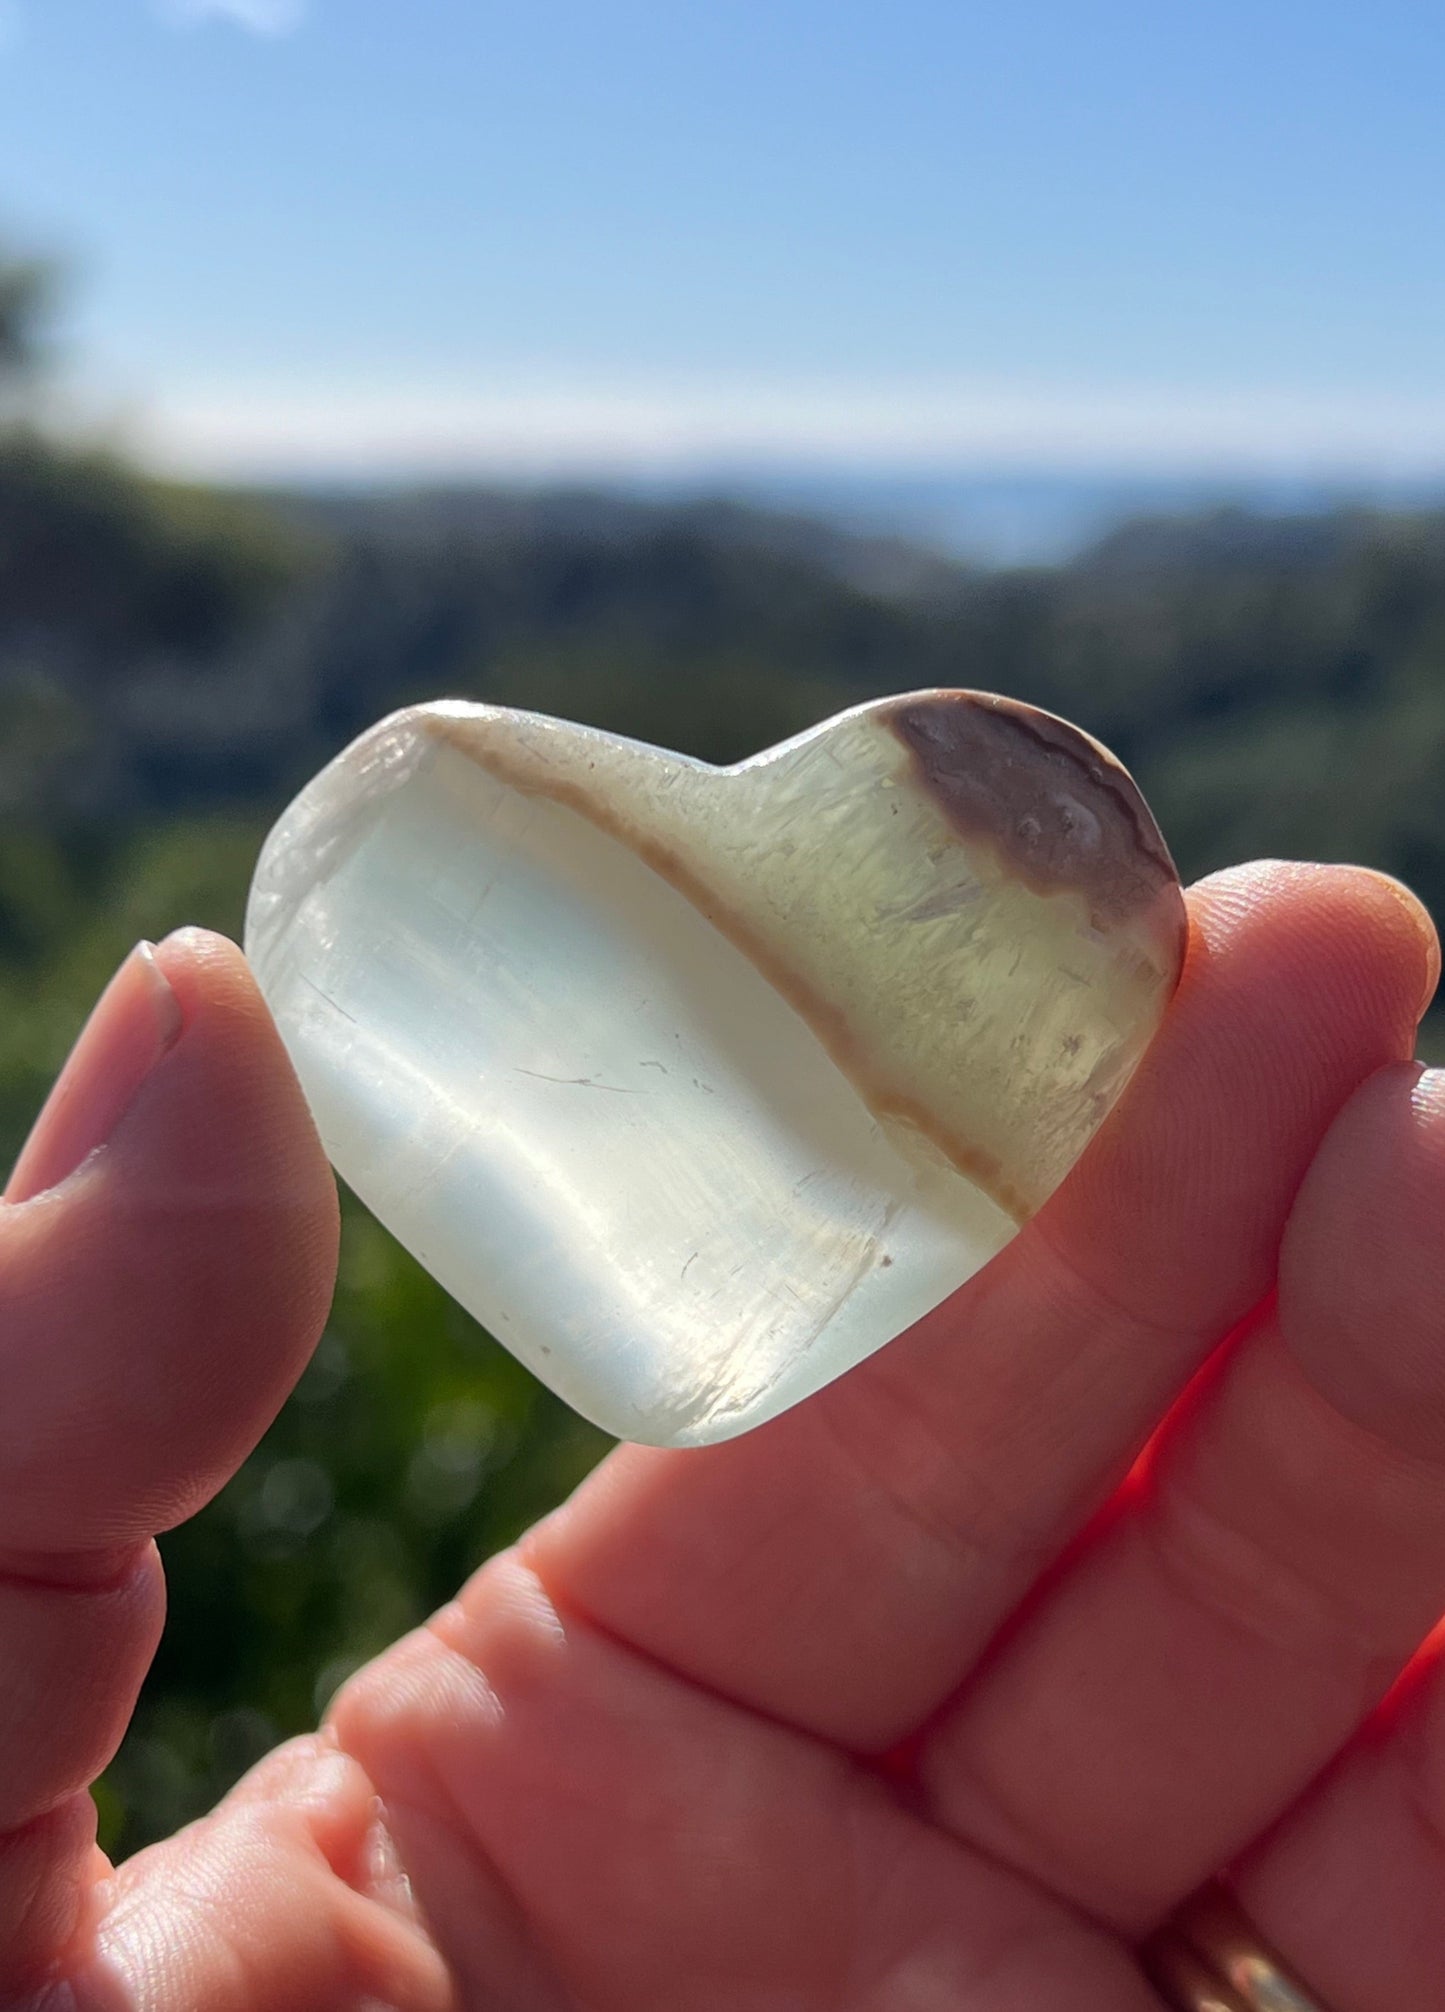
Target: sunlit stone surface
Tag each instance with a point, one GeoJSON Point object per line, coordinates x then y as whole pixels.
{"type": "Point", "coordinates": [698, 1085]}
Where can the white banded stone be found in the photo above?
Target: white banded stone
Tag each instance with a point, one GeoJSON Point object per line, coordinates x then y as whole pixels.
{"type": "Point", "coordinates": [697, 1085]}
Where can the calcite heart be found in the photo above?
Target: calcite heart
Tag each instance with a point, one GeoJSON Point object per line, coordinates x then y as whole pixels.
{"type": "Point", "coordinates": [697, 1085]}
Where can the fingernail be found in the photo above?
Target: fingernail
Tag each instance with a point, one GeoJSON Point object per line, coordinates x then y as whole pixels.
{"type": "Point", "coordinates": [1424, 927]}
{"type": "Point", "coordinates": [136, 1021]}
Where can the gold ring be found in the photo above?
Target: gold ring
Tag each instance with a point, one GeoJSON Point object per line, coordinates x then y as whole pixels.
{"type": "Point", "coordinates": [1210, 1957]}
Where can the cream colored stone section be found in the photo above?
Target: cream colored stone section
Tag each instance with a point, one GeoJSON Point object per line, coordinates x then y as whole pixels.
{"type": "Point", "coordinates": [991, 1022]}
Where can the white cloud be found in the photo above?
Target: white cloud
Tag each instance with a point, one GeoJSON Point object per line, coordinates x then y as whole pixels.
{"type": "Point", "coordinates": [262, 17]}
{"type": "Point", "coordinates": [538, 428]}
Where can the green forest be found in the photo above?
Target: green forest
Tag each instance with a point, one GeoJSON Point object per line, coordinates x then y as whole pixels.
{"type": "Point", "coordinates": [175, 661]}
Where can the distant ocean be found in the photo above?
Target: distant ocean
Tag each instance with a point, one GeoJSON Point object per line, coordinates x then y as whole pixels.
{"type": "Point", "coordinates": [1027, 519]}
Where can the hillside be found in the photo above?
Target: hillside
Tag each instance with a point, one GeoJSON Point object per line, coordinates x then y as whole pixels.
{"type": "Point", "coordinates": [1278, 682]}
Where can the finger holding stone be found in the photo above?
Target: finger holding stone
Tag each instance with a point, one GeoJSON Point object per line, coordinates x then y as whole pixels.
{"type": "Point", "coordinates": [842, 1567]}
{"type": "Point", "coordinates": [159, 1295]}
{"type": "Point", "coordinates": [165, 1251]}
{"type": "Point", "coordinates": [1267, 1574]}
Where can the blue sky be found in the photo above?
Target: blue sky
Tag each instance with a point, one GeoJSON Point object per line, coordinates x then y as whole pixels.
{"type": "Point", "coordinates": [345, 232]}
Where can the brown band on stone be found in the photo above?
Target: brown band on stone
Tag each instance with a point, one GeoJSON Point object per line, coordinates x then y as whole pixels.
{"type": "Point", "coordinates": [1056, 808]}
{"type": "Point", "coordinates": [828, 1023]}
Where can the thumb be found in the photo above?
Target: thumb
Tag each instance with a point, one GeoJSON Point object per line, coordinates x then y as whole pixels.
{"type": "Point", "coordinates": [167, 1244]}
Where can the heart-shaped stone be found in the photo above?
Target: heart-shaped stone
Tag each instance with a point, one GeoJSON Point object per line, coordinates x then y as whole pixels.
{"type": "Point", "coordinates": [697, 1085]}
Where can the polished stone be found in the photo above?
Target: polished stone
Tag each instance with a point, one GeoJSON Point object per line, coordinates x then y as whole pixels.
{"type": "Point", "coordinates": [697, 1085]}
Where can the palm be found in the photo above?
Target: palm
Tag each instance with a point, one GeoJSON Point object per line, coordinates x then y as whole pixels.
{"type": "Point", "coordinates": [930, 1694]}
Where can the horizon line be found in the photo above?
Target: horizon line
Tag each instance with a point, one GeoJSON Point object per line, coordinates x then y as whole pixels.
{"type": "Point", "coordinates": [555, 429]}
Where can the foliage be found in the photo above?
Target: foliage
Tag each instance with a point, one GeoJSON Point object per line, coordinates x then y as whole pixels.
{"type": "Point", "coordinates": [27, 287]}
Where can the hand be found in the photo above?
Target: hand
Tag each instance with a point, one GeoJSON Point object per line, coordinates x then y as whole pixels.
{"type": "Point", "coordinates": [930, 1694]}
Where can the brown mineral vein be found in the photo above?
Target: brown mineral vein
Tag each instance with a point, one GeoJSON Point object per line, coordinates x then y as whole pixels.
{"type": "Point", "coordinates": [1056, 809]}
{"type": "Point", "coordinates": [831, 1027]}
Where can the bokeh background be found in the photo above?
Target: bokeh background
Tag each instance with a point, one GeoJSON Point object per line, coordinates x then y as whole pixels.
{"type": "Point", "coordinates": [696, 372]}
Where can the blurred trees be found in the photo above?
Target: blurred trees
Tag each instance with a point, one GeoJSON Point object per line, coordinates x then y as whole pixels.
{"type": "Point", "coordinates": [26, 291]}
{"type": "Point", "coordinates": [174, 662]}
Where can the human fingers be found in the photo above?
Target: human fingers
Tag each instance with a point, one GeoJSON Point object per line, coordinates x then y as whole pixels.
{"type": "Point", "coordinates": [843, 1566]}
{"type": "Point", "coordinates": [287, 1897]}
{"type": "Point", "coordinates": [166, 1248]}
{"type": "Point", "coordinates": [157, 1304]}
{"type": "Point", "coordinates": [1275, 1564]}
{"type": "Point", "coordinates": [1348, 1885]}
{"type": "Point", "coordinates": [582, 1827]}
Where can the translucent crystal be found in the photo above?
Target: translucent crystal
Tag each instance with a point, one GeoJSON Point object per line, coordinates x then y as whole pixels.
{"type": "Point", "coordinates": [697, 1085]}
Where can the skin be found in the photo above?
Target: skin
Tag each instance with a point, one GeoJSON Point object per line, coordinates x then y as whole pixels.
{"type": "Point", "coordinates": [940, 1691]}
